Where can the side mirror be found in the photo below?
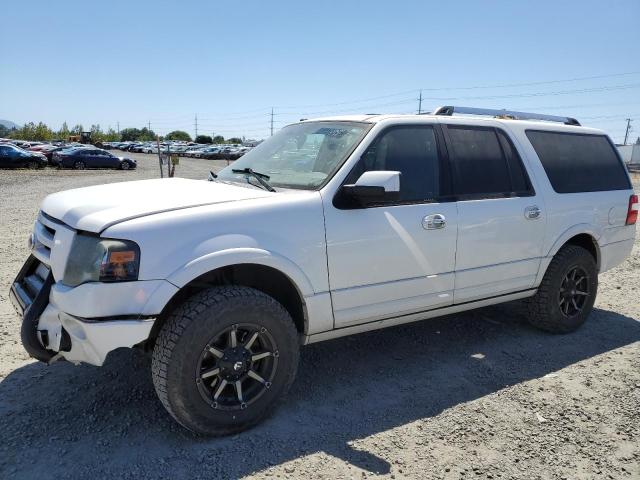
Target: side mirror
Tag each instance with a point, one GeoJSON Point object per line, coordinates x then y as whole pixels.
{"type": "Point", "coordinates": [374, 187]}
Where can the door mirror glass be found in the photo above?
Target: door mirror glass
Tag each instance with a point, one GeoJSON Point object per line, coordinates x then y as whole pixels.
{"type": "Point", "coordinates": [374, 187]}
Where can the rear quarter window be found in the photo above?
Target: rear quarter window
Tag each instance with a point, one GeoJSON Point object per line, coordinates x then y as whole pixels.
{"type": "Point", "coordinates": [576, 162]}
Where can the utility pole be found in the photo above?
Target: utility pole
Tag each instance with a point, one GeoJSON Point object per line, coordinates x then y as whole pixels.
{"type": "Point", "coordinates": [159, 155]}
{"type": "Point", "coordinates": [118, 128]}
{"type": "Point", "coordinates": [420, 104]}
{"type": "Point", "coordinates": [149, 124]}
{"type": "Point", "coordinates": [626, 134]}
{"type": "Point", "coordinates": [196, 126]}
{"type": "Point", "coordinates": [272, 121]}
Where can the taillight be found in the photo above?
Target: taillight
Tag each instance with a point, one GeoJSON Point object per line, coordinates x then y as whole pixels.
{"type": "Point", "coordinates": [632, 213]}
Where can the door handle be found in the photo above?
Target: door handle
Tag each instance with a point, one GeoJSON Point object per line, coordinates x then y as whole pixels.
{"type": "Point", "coordinates": [434, 222]}
{"type": "Point", "coordinates": [532, 212]}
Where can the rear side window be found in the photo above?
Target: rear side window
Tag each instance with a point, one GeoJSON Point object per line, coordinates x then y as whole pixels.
{"type": "Point", "coordinates": [480, 167]}
{"type": "Point", "coordinates": [579, 162]}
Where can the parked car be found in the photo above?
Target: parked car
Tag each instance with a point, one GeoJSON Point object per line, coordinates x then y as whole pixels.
{"type": "Point", "coordinates": [211, 153]}
{"type": "Point", "coordinates": [81, 158]}
{"type": "Point", "coordinates": [381, 220]}
{"type": "Point", "coordinates": [14, 157]}
{"type": "Point", "coordinates": [45, 149]}
{"type": "Point", "coordinates": [195, 152]}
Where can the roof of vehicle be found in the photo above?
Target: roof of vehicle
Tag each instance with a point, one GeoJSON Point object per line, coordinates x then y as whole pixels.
{"type": "Point", "coordinates": [474, 119]}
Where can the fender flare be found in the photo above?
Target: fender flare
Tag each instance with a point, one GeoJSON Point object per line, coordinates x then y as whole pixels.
{"type": "Point", "coordinates": [581, 228]}
{"type": "Point", "coordinates": [564, 237]}
{"type": "Point", "coordinates": [234, 256]}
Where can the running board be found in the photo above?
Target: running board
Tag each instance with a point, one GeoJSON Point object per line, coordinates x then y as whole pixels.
{"type": "Point", "coordinates": [414, 317]}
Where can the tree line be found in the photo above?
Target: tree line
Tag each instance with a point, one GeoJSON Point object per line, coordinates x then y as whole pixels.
{"type": "Point", "coordinates": [43, 133]}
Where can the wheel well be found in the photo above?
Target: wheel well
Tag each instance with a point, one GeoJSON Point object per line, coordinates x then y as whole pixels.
{"type": "Point", "coordinates": [266, 279]}
{"type": "Point", "coordinates": [587, 242]}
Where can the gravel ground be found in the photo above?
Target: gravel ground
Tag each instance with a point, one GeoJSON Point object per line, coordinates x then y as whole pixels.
{"type": "Point", "coordinates": [475, 395]}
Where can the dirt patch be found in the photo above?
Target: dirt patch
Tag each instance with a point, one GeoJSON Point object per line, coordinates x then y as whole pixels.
{"type": "Point", "coordinates": [476, 395]}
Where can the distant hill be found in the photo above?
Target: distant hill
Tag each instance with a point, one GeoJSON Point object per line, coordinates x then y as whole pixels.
{"type": "Point", "coordinates": [9, 124]}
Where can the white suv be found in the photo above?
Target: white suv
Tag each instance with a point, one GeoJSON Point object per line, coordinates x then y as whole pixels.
{"type": "Point", "coordinates": [331, 227]}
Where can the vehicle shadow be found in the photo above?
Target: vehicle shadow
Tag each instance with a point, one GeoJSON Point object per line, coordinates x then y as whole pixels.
{"type": "Point", "coordinates": [70, 421]}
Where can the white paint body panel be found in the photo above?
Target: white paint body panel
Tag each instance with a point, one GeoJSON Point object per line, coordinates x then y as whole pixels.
{"type": "Point", "coordinates": [402, 268]}
{"type": "Point", "coordinates": [498, 249]}
{"type": "Point", "coordinates": [355, 270]}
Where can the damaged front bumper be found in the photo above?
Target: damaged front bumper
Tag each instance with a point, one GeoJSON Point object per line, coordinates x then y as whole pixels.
{"type": "Point", "coordinates": [49, 331]}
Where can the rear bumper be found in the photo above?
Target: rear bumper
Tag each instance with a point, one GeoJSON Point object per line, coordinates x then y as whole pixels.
{"type": "Point", "coordinates": [54, 321]}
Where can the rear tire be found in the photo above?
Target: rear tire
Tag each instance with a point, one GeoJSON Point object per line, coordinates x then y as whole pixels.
{"type": "Point", "coordinates": [562, 303]}
{"type": "Point", "coordinates": [196, 341]}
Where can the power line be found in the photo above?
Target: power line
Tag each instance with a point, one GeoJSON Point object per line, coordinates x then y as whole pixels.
{"type": "Point", "coordinates": [472, 87]}
{"type": "Point", "coordinates": [260, 111]}
{"type": "Point", "coordinates": [541, 94]}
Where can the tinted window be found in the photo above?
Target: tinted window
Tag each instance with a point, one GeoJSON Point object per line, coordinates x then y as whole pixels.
{"type": "Point", "coordinates": [579, 162]}
{"type": "Point", "coordinates": [480, 167]}
{"type": "Point", "coordinates": [413, 152]}
{"type": "Point", "coordinates": [519, 180]}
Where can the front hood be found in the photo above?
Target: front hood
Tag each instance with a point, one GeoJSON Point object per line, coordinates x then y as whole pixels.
{"type": "Point", "coordinates": [94, 209]}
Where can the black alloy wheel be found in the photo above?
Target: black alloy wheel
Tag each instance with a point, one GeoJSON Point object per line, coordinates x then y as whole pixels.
{"type": "Point", "coordinates": [224, 358]}
{"type": "Point", "coordinates": [237, 366]}
{"type": "Point", "coordinates": [566, 295]}
{"type": "Point", "coordinates": [574, 292]}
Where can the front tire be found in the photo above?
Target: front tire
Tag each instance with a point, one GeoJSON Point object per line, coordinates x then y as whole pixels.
{"type": "Point", "coordinates": [125, 166]}
{"type": "Point", "coordinates": [79, 165]}
{"type": "Point", "coordinates": [567, 292]}
{"type": "Point", "coordinates": [224, 358]}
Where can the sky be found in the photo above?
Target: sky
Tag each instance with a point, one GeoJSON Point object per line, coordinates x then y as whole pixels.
{"type": "Point", "coordinates": [131, 63]}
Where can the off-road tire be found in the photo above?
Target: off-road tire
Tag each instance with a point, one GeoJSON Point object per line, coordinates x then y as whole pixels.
{"type": "Point", "coordinates": [543, 308]}
{"type": "Point", "coordinates": [184, 336]}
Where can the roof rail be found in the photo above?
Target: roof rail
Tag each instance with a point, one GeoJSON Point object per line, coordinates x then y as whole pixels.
{"type": "Point", "coordinates": [450, 110]}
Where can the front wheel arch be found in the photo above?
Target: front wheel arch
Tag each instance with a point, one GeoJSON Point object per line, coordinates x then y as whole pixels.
{"type": "Point", "coordinates": [268, 280]}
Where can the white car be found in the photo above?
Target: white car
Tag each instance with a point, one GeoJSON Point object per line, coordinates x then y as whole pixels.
{"type": "Point", "coordinates": [381, 220]}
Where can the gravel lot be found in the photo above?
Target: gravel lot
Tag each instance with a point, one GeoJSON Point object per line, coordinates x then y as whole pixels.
{"type": "Point", "coordinates": [476, 395]}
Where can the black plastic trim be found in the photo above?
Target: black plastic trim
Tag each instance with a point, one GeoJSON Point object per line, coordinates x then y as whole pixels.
{"type": "Point", "coordinates": [32, 310]}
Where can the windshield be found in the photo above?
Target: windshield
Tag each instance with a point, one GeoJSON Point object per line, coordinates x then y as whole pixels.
{"type": "Point", "coordinates": [302, 156]}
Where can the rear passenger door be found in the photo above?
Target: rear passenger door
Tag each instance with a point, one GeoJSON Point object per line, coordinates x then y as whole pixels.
{"type": "Point", "coordinates": [501, 219]}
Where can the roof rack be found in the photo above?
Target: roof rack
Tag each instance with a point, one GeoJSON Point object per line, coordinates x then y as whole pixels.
{"type": "Point", "coordinates": [450, 110]}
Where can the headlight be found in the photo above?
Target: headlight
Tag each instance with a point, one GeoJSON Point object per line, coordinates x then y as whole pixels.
{"type": "Point", "coordinates": [94, 259]}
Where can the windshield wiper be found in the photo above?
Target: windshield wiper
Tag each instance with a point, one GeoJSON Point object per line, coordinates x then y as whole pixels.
{"type": "Point", "coordinates": [260, 177]}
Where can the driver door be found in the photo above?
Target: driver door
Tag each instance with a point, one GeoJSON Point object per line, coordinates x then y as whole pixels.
{"type": "Point", "coordinates": [391, 259]}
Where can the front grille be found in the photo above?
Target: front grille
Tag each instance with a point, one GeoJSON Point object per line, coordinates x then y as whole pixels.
{"type": "Point", "coordinates": [44, 233]}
